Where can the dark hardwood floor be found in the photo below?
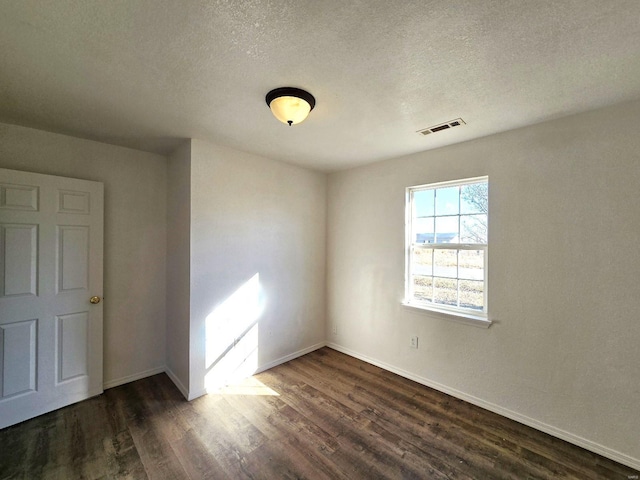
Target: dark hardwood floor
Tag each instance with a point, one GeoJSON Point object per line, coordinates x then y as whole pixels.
{"type": "Point", "coordinates": [322, 416]}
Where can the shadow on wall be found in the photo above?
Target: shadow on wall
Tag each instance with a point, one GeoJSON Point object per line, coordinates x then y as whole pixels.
{"type": "Point", "coordinates": [232, 335]}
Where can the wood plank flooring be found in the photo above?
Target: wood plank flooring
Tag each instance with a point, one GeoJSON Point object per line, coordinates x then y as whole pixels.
{"type": "Point", "coordinates": [322, 416]}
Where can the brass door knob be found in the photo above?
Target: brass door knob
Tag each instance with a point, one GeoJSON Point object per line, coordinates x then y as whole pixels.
{"type": "Point", "coordinates": [94, 300]}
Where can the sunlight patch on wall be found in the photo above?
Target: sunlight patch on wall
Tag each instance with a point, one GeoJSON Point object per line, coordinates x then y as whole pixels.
{"type": "Point", "coordinates": [232, 337]}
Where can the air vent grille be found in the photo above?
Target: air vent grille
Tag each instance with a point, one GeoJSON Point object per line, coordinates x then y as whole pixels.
{"type": "Point", "coordinates": [442, 126]}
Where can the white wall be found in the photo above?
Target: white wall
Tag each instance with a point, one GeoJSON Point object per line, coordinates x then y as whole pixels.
{"type": "Point", "coordinates": [562, 354]}
{"type": "Point", "coordinates": [563, 277]}
{"type": "Point", "coordinates": [134, 241]}
{"type": "Point", "coordinates": [178, 265]}
{"type": "Point", "coordinates": [251, 215]}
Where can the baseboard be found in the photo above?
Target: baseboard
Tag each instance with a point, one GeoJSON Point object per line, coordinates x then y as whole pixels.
{"type": "Point", "coordinates": [176, 381]}
{"type": "Point", "coordinates": [132, 378]}
{"type": "Point", "coordinates": [530, 422]}
{"type": "Point", "coordinates": [290, 357]}
{"type": "Point", "coordinates": [196, 394]}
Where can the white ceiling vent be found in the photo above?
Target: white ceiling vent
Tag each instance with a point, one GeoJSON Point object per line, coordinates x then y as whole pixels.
{"type": "Point", "coordinates": [442, 126]}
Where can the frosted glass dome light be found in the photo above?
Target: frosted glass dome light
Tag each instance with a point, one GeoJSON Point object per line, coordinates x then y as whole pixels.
{"type": "Point", "coordinates": [290, 105]}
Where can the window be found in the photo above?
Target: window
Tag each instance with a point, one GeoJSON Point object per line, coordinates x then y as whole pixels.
{"type": "Point", "coordinates": [447, 247]}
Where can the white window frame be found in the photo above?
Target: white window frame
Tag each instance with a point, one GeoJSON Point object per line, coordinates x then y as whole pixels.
{"type": "Point", "coordinates": [463, 314]}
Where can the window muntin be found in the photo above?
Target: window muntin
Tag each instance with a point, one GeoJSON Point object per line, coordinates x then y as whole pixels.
{"type": "Point", "coordinates": [447, 246]}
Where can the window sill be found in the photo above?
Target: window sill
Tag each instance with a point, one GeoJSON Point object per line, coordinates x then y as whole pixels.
{"type": "Point", "coordinates": [467, 319]}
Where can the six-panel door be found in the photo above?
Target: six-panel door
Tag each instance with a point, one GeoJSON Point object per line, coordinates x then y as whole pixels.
{"type": "Point", "coordinates": [51, 244]}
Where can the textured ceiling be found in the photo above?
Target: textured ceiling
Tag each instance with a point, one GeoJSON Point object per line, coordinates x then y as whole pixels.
{"type": "Point", "coordinates": [149, 73]}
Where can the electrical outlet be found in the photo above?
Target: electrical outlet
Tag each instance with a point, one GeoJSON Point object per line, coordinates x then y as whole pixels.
{"type": "Point", "coordinates": [413, 343]}
{"type": "Point", "coordinates": [334, 329]}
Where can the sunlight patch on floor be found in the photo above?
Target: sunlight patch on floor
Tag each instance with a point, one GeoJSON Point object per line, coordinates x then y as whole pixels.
{"type": "Point", "coordinates": [246, 386]}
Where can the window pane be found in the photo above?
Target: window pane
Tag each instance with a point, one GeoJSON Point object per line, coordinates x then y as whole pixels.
{"type": "Point", "coordinates": [423, 288]}
{"type": "Point", "coordinates": [473, 229]}
{"type": "Point", "coordinates": [422, 261]}
{"type": "Point", "coordinates": [445, 291]}
{"type": "Point", "coordinates": [471, 264]}
{"type": "Point", "coordinates": [445, 221]}
{"type": "Point", "coordinates": [423, 230]}
{"type": "Point", "coordinates": [445, 263]}
{"type": "Point", "coordinates": [423, 203]}
{"type": "Point", "coordinates": [472, 294]}
{"type": "Point", "coordinates": [448, 201]}
{"type": "Point", "coordinates": [446, 229]}
{"type": "Point", "coordinates": [474, 198]}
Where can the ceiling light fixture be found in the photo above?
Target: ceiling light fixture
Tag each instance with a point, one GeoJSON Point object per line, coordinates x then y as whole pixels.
{"type": "Point", "coordinates": [290, 105]}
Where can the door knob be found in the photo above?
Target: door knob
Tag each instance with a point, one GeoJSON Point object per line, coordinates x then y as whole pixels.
{"type": "Point", "coordinates": [94, 300]}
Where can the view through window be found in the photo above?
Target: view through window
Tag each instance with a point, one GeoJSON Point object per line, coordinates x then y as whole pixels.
{"type": "Point", "coordinates": [447, 246]}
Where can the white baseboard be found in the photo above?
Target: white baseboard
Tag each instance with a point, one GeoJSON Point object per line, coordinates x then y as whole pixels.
{"type": "Point", "coordinates": [531, 422]}
{"type": "Point", "coordinates": [290, 357]}
{"type": "Point", "coordinates": [176, 381]}
{"type": "Point", "coordinates": [191, 395]}
{"type": "Point", "coordinates": [132, 378]}
{"type": "Point", "coordinates": [148, 373]}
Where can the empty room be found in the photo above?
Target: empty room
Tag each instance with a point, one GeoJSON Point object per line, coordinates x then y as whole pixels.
{"type": "Point", "coordinates": [319, 239]}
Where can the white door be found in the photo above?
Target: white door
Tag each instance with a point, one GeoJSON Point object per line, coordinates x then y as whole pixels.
{"type": "Point", "coordinates": [50, 266]}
